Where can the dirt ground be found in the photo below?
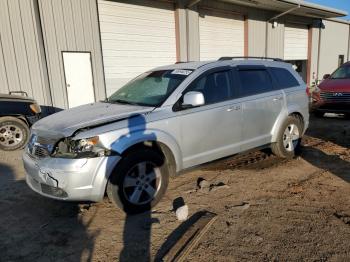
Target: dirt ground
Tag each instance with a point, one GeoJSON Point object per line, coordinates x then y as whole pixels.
{"type": "Point", "coordinates": [267, 210]}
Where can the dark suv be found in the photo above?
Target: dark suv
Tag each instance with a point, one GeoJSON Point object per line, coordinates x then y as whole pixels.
{"type": "Point", "coordinates": [333, 94]}
{"type": "Point", "coordinates": [17, 114]}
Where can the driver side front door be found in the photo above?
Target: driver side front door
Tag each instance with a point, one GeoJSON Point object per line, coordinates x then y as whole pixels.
{"type": "Point", "coordinates": [211, 131]}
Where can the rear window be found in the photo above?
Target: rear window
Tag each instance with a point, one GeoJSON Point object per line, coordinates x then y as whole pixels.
{"type": "Point", "coordinates": [255, 81]}
{"type": "Point", "coordinates": [284, 78]}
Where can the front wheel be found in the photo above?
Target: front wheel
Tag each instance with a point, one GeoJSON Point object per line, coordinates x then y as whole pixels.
{"type": "Point", "coordinates": [139, 181]}
{"type": "Point", "coordinates": [14, 133]}
{"type": "Point", "coordinates": [288, 138]}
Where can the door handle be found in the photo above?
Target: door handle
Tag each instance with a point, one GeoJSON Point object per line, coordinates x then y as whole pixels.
{"type": "Point", "coordinates": [278, 98]}
{"type": "Point", "coordinates": [231, 108]}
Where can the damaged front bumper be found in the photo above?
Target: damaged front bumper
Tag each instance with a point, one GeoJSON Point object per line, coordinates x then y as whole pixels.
{"type": "Point", "coordinates": [69, 179]}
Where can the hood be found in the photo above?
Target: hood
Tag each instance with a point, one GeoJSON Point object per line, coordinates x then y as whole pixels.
{"type": "Point", "coordinates": [66, 122]}
{"type": "Point", "coordinates": [335, 85]}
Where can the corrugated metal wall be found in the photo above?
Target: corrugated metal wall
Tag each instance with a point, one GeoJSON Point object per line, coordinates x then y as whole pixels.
{"type": "Point", "coordinates": [275, 43]}
{"type": "Point", "coordinates": [257, 33]}
{"type": "Point", "coordinates": [22, 61]}
{"type": "Point", "coordinates": [70, 25]}
{"type": "Point", "coordinates": [334, 42]}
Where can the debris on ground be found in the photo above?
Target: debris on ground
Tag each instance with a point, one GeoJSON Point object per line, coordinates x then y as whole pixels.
{"type": "Point", "coordinates": [182, 213]}
{"type": "Point", "coordinates": [180, 208]}
{"type": "Point", "coordinates": [205, 187]}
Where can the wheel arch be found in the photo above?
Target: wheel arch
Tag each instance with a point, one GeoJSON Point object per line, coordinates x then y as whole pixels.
{"type": "Point", "coordinates": [279, 122]}
{"type": "Point", "coordinates": [159, 147]}
{"type": "Point", "coordinates": [157, 140]}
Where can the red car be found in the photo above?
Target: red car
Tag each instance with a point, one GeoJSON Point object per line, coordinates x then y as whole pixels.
{"type": "Point", "coordinates": [333, 94]}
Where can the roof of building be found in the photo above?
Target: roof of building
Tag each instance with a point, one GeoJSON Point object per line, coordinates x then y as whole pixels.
{"type": "Point", "coordinates": [302, 8]}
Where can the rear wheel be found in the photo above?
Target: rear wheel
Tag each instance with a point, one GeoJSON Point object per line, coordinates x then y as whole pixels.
{"type": "Point", "coordinates": [139, 181]}
{"type": "Point", "coordinates": [288, 138]}
{"type": "Point", "coordinates": [14, 133]}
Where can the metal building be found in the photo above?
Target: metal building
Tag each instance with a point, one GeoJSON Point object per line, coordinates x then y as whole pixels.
{"type": "Point", "coordinates": [69, 52]}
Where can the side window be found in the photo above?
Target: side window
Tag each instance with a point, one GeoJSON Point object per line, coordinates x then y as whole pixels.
{"type": "Point", "coordinates": [254, 81]}
{"type": "Point", "coordinates": [215, 87]}
{"type": "Point", "coordinates": [284, 78]}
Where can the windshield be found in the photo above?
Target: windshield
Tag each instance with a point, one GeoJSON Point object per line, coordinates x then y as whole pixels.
{"type": "Point", "coordinates": [150, 88]}
{"type": "Point", "coordinates": [341, 73]}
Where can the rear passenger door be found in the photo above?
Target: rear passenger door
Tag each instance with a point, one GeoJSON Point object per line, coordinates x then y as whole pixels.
{"type": "Point", "coordinates": [261, 105]}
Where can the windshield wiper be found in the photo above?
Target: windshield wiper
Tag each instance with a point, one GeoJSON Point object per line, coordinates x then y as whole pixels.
{"type": "Point", "coordinates": [119, 101]}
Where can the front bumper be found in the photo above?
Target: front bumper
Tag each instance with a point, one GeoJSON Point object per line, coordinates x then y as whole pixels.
{"type": "Point", "coordinates": [327, 107]}
{"type": "Point", "coordinates": [69, 179]}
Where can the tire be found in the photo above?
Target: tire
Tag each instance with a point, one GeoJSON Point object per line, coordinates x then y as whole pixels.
{"type": "Point", "coordinates": [139, 174]}
{"type": "Point", "coordinates": [288, 138]}
{"type": "Point", "coordinates": [14, 133]}
{"type": "Point", "coordinates": [319, 114]}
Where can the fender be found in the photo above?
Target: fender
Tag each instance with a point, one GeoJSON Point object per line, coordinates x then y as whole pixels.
{"type": "Point", "coordinates": [126, 141]}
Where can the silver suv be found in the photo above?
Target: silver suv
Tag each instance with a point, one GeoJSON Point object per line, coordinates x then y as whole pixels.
{"type": "Point", "coordinates": [166, 120]}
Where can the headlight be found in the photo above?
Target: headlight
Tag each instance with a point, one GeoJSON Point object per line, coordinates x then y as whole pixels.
{"type": "Point", "coordinates": [81, 148]}
{"type": "Point", "coordinates": [317, 89]}
{"type": "Point", "coordinates": [85, 144]}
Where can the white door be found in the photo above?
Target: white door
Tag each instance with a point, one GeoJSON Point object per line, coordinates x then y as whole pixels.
{"type": "Point", "coordinates": [295, 42]}
{"type": "Point", "coordinates": [136, 37]}
{"type": "Point", "coordinates": [79, 81]}
{"type": "Point", "coordinates": [220, 34]}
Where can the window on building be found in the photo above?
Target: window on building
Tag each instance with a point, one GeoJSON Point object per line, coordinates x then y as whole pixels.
{"type": "Point", "coordinates": [283, 77]}
{"type": "Point", "coordinates": [254, 82]}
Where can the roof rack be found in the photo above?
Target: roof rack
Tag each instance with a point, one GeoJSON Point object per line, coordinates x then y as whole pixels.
{"type": "Point", "coordinates": [249, 57]}
{"type": "Point", "coordinates": [23, 93]}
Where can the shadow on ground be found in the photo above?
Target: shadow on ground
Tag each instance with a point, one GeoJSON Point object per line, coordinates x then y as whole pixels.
{"type": "Point", "coordinates": [331, 128]}
{"type": "Point", "coordinates": [36, 228]}
{"type": "Point", "coordinates": [337, 131]}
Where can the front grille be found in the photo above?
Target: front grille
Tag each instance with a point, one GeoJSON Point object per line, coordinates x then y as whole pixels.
{"type": "Point", "coordinates": [40, 147]}
{"type": "Point", "coordinates": [40, 152]}
{"type": "Point", "coordinates": [336, 97]}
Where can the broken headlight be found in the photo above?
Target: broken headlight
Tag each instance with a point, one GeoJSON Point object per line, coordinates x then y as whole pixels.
{"type": "Point", "coordinates": [81, 148]}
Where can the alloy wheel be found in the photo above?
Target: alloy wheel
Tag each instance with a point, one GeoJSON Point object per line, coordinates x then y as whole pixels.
{"type": "Point", "coordinates": [142, 183]}
{"type": "Point", "coordinates": [291, 137]}
{"type": "Point", "coordinates": [10, 135]}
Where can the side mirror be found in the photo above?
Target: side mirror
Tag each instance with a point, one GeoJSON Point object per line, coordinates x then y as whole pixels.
{"type": "Point", "coordinates": [193, 99]}
{"type": "Point", "coordinates": [326, 76]}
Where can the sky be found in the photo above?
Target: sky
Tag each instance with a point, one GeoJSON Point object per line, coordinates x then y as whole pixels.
{"type": "Point", "coordinates": [339, 4]}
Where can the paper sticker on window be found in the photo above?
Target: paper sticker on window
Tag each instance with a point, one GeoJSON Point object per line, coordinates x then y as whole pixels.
{"type": "Point", "coordinates": [181, 72]}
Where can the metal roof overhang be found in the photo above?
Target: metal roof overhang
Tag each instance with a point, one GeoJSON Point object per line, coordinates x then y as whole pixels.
{"type": "Point", "coordinates": [300, 8]}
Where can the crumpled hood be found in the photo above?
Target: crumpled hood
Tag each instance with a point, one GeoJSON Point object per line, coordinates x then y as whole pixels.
{"type": "Point", "coordinates": [68, 121]}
